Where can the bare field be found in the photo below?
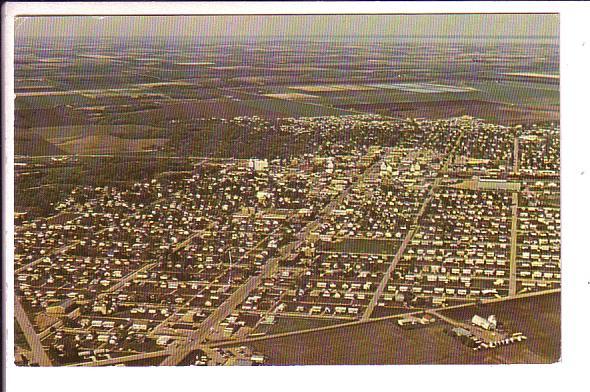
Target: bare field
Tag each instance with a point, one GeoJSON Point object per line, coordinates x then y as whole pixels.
{"type": "Point", "coordinates": [68, 133]}
{"type": "Point", "coordinates": [382, 342]}
{"type": "Point", "coordinates": [291, 96]}
{"type": "Point", "coordinates": [107, 144]}
{"type": "Point", "coordinates": [332, 88]}
{"type": "Point", "coordinates": [423, 88]}
{"type": "Point", "coordinates": [379, 343]}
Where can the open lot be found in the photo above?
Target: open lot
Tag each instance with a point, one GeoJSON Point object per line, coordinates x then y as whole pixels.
{"type": "Point", "coordinates": [359, 245]}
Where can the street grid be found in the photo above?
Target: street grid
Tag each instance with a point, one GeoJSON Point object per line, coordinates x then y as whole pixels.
{"type": "Point", "coordinates": [279, 265]}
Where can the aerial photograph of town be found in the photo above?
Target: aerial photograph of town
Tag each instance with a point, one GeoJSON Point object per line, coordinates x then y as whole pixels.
{"type": "Point", "coordinates": [262, 190]}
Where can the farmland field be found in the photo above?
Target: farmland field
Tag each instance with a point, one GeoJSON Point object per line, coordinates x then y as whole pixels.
{"type": "Point", "coordinates": [498, 112]}
{"type": "Point", "coordinates": [108, 144]}
{"type": "Point", "coordinates": [225, 108]}
{"type": "Point", "coordinates": [382, 342]}
{"type": "Point", "coordinates": [284, 189]}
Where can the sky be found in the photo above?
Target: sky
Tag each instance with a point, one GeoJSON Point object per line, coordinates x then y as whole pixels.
{"type": "Point", "coordinates": [453, 25]}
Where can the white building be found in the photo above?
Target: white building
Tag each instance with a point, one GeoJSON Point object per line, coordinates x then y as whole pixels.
{"type": "Point", "coordinates": [489, 324]}
{"type": "Point", "coordinates": [258, 164]}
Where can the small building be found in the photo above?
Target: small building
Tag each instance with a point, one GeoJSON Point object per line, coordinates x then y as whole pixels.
{"type": "Point", "coordinates": [258, 164]}
{"type": "Point", "coordinates": [461, 332]}
{"type": "Point", "coordinates": [257, 358]}
{"type": "Point", "coordinates": [488, 324]}
{"type": "Point", "coordinates": [163, 340]}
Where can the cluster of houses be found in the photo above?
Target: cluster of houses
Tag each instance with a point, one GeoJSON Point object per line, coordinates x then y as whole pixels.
{"type": "Point", "coordinates": [135, 267]}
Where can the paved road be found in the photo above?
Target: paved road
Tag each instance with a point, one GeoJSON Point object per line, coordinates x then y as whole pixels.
{"type": "Point", "coordinates": [237, 342]}
{"type": "Point", "coordinates": [39, 355]}
{"type": "Point", "coordinates": [515, 157]}
{"type": "Point", "coordinates": [188, 240]}
{"type": "Point", "coordinates": [387, 275]}
{"type": "Point", "coordinates": [376, 319]}
{"type": "Point", "coordinates": [128, 358]}
{"type": "Point", "coordinates": [226, 308]}
{"type": "Point", "coordinates": [513, 245]}
{"type": "Point", "coordinates": [449, 320]}
{"type": "Point", "coordinates": [60, 250]}
{"type": "Point", "coordinates": [126, 279]}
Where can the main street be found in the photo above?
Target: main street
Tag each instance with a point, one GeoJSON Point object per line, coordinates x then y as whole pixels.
{"type": "Point", "coordinates": [410, 235]}
{"type": "Point", "coordinates": [196, 338]}
{"type": "Point", "coordinates": [513, 245]}
{"type": "Point", "coordinates": [514, 225]}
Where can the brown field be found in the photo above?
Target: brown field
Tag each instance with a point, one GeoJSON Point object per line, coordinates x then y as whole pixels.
{"type": "Point", "coordinates": [31, 144]}
{"type": "Point", "coordinates": [291, 96]}
{"type": "Point", "coordinates": [107, 144]}
{"type": "Point", "coordinates": [354, 87]}
{"type": "Point", "coordinates": [333, 88]}
{"type": "Point", "coordinates": [43, 117]}
{"type": "Point", "coordinates": [382, 342]}
{"type": "Point", "coordinates": [539, 318]}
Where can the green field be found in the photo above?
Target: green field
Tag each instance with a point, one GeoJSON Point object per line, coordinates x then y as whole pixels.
{"type": "Point", "coordinates": [352, 245]}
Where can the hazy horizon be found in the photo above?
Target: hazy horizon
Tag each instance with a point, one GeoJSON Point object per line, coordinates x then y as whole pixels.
{"type": "Point", "coordinates": [293, 26]}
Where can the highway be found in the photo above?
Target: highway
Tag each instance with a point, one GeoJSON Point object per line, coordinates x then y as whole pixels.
{"type": "Point", "coordinates": [514, 226]}
{"type": "Point", "coordinates": [448, 320]}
